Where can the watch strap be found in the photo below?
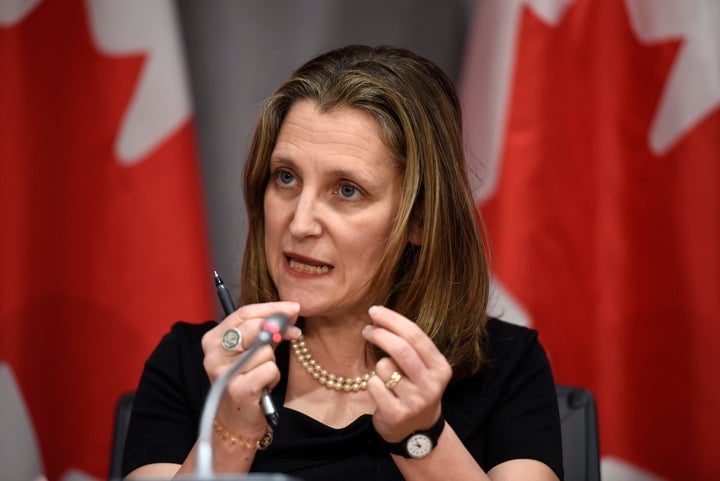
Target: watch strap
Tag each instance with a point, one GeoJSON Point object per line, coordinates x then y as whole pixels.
{"type": "Point", "coordinates": [433, 433]}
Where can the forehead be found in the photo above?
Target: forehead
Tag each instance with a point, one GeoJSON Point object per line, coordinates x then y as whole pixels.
{"type": "Point", "coordinates": [345, 135]}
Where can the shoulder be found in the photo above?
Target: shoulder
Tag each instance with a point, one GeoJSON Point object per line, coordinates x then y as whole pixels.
{"type": "Point", "coordinates": [514, 356]}
{"type": "Point", "coordinates": [174, 383]}
{"type": "Point", "coordinates": [507, 345]}
{"type": "Point", "coordinates": [186, 331]}
{"type": "Point", "coordinates": [180, 350]}
{"type": "Point", "coordinates": [502, 334]}
{"type": "Point", "coordinates": [509, 410]}
{"type": "Point", "coordinates": [185, 335]}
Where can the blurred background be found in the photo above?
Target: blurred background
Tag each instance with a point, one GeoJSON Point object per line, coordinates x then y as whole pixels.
{"type": "Point", "coordinates": [592, 132]}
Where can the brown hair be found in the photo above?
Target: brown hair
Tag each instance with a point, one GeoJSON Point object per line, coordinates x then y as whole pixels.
{"type": "Point", "coordinates": [442, 284]}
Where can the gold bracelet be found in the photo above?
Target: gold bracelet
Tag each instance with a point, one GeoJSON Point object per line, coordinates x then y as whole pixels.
{"type": "Point", "coordinates": [243, 442]}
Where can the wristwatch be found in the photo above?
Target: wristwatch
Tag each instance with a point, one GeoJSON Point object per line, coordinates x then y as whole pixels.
{"type": "Point", "coordinates": [419, 444]}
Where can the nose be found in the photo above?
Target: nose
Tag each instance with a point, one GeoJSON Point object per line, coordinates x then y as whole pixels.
{"type": "Point", "coordinates": [305, 221]}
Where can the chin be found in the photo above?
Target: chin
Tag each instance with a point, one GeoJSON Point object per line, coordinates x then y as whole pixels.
{"type": "Point", "coordinates": [307, 300]}
{"type": "Point", "coordinates": [309, 309]}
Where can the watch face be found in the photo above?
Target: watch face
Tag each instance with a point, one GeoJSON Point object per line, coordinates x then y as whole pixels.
{"type": "Point", "coordinates": [419, 446]}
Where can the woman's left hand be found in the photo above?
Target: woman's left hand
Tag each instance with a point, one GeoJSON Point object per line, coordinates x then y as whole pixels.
{"type": "Point", "coordinates": [413, 402]}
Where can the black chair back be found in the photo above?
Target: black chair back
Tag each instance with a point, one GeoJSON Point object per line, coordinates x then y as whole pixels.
{"type": "Point", "coordinates": [578, 423]}
{"type": "Point", "coordinates": [122, 419]}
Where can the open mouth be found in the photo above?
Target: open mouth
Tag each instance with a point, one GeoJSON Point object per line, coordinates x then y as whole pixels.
{"type": "Point", "coordinates": [310, 268]}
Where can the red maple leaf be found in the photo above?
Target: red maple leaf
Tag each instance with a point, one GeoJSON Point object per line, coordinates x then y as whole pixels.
{"type": "Point", "coordinates": [613, 250]}
{"type": "Point", "coordinates": [98, 259]}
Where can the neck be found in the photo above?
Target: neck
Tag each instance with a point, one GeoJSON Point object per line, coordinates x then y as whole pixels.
{"type": "Point", "coordinates": [339, 347]}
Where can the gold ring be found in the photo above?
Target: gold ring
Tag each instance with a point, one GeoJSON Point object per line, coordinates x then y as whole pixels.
{"type": "Point", "coordinates": [232, 340]}
{"type": "Point", "coordinates": [394, 379]}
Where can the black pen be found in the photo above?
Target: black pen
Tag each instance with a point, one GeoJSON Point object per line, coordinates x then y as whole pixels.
{"type": "Point", "coordinates": [266, 402]}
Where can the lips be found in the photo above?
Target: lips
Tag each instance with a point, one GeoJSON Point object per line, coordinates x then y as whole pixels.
{"type": "Point", "coordinates": [310, 266]}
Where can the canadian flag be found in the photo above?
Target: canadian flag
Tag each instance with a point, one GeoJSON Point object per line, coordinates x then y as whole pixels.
{"type": "Point", "coordinates": [594, 144]}
{"type": "Point", "coordinates": [103, 241]}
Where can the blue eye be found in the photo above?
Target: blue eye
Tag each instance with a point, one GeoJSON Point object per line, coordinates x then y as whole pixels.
{"type": "Point", "coordinates": [285, 177]}
{"type": "Point", "coordinates": [348, 191]}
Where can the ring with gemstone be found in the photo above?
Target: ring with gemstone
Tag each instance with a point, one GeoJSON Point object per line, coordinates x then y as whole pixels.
{"type": "Point", "coordinates": [232, 340]}
{"type": "Point", "coordinates": [394, 379]}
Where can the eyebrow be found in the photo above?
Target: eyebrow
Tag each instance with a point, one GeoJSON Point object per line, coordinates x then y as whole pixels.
{"type": "Point", "coordinates": [359, 175]}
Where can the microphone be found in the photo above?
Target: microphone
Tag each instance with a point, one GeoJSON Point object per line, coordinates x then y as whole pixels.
{"type": "Point", "coordinates": [272, 330]}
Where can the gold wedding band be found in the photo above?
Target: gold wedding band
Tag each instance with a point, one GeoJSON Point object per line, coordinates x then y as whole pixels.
{"type": "Point", "coordinates": [232, 340]}
{"type": "Point", "coordinates": [394, 379]}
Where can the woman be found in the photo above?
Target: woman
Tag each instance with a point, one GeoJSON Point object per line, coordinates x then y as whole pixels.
{"type": "Point", "coordinates": [363, 231]}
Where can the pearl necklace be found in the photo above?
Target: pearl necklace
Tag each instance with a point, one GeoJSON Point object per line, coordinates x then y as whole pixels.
{"type": "Point", "coordinates": [327, 379]}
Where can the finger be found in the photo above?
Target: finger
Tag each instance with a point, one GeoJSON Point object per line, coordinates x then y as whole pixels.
{"type": "Point", "coordinates": [389, 372]}
{"type": "Point", "coordinates": [232, 340]}
{"type": "Point", "coordinates": [251, 329]}
{"type": "Point", "coordinates": [388, 405]}
{"type": "Point", "coordinates": [413, 397]}
{"type": "Point", "coordinates": [258, 313]}
{"type": "Point", "coordinates": [249, 385]}
{"type": "Point", "coordinates": [238, 331]}
{"type": "Point", "coordinates": [264, 354]}
{"type": "Point", "coordinates": [394, 418]}
{"type": "Point", "coordinates": [248, 329]}
{"type": "Point", "coordinates": [231, 337]}
{"type": "Point", "coordinates": [404, 354]}
{"type": "Point", "coordinates": [266, 309]}
{"type": "Point", "coordinates": [409, 331]}
{"type": "Point", "coordinates": [261, 311]}
{"type": "Point", "coordinates": [217, 364]}
{"type": "Point", "coordinates": [242, 397]}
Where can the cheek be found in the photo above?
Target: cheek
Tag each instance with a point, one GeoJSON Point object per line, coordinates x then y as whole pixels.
{"type": "Point", "coordinates": [272, 211]}
{"type": "Point", "coordinates": [370, 247]}
{"type": "Point", "coordinates": [272, 232]}
{"type": "Point", "coordinates": [272, 236]}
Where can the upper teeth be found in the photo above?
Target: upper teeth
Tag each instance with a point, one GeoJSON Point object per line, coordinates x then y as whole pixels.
{"type": "Point", "coordinates": [308, 268]}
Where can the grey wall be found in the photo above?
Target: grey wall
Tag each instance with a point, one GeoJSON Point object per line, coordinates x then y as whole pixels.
{"type": "Point", "coordinates": [238, 51]}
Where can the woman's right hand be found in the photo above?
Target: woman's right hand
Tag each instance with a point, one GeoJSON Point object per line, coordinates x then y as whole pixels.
{"type": "Point", "coordinates": [239, 408]}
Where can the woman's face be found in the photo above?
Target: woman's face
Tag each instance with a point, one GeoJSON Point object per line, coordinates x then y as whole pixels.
{"type": "Point", "coordinates": [330, 204]}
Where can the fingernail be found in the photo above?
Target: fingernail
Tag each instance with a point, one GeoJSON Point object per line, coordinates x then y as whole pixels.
{"type": "Point", "coordinates": [373, 309]}
{"type": "Point", "coordinates": [294, 332]}
{"type": "Point", "coordinates": [367, 330]}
